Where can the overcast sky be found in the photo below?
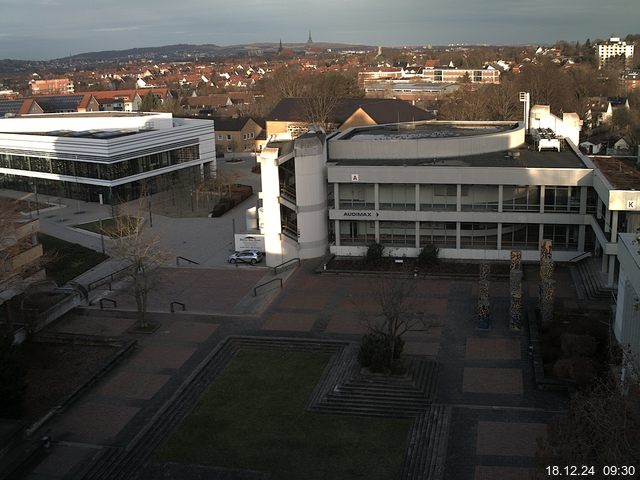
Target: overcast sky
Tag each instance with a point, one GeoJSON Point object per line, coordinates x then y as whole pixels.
{"type": "Point", "coordinates": [45, 29]}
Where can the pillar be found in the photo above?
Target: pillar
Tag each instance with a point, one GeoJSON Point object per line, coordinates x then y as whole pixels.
{"type": "Point", "coordinates": [612, 271]}
{"type": "Point", "coordinates": [337, 232]}
{"type": "Point", "coordinates": [500, 197]}
{"type": "Point", "coordinates": [417, 197]}
{"type": "Point", "coordinates": [336, 196]}
{"type": "Point", "coordinates": [541, 198]}
{"type": "Point", "coordinates": [458, 230]}
{"type": "Point", "coordinates": [376, 198]}
{"type": "Point", "coordinates": [458, 198]}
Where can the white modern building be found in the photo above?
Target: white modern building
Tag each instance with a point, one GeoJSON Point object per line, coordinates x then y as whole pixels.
{"type": "Point", "coordinates": [612, 49]}
{"type": "Point", "coordinates": [626, 327]}
{"type": "Point", "coordinates": [475, 190]}
{"type": "Point", "coordinates": [104, 156]}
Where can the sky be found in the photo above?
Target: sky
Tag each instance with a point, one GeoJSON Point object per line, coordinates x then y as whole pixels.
{"type": "Point", "coordinates": [46, 29]}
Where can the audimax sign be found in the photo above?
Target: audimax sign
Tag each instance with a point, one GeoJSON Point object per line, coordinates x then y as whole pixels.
{"type": "Point", "coordinates": [364, 214]}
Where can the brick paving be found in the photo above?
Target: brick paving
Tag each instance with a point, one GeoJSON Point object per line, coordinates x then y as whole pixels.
{"type": "Point", "coordinates": [509, 439]}
{"type": "Point", "coordinates": [497, 413]}
{"type": "Point", "coordinates": [498, 381]}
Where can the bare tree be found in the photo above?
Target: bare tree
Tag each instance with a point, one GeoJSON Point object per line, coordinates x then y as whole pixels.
{"type": "Point", "coordinates": [602, 426]}
{"type": "Point", "coordinates": [141, 251]}
{"type": "Point", "coordinates": [399, 312]}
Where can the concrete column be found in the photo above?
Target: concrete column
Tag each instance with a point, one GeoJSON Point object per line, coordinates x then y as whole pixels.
{"type": "Point", "coordinates": [500, 197]}
{"type": "Point", "coordinates": [583, 200]}
{"type": "Point", "coordinates": [336, 196]}
{"type": "Point", "coordinates": [377, 230]}
{"type": "Point", "coordinates": [376, 197]}
{"type": "Point", "coordinates": [458, 198]}
{"type": "Point", "coordinates": [541, 201]}
{"type": "Point", "coordinates": [499, 236]}
{"type": "Point", "coordinates": [612, 270]}
{"type": "Point", "coordinates": [607, 221]}
{"type": "Point", "coordinates": [614, 226]}
{"type": "Point", "coordinates": [599, 209]}
{"type": "Point", "coordinates": [337, 231]}
{"type": "Point", "coordinates": [417, 227]}
{"type": "Point", "coordinates": [417, 197]}
{"type": "Point", "coordinates": [540, 234]}
{"type": "Point", "coordinates": [603, 267]}
{"type": "Point", "coordinates": [582, 232]}
{"type": "Point", "coordinates": [458, 229]}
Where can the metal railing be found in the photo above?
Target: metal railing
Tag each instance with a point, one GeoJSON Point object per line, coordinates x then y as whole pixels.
{"type": "Point", "coordinates": [186, 260]}
{"type": "Point", "coordinates": [577, 258]}
{"type": "Point", "coordinates": [284, 265]}
{"type": "Point", "coordinates": [173, 304]}
{"type": "Point", "coordinates": [109, 279]}
{"type": "Point", "coordinates": [113, 303]}
{"type": "Point", "coordinates": [255, 290]}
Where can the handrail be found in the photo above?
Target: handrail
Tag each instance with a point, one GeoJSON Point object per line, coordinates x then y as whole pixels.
{"type": "Point", "coordinates": [285, 264]}
{"type": "Point", "coordinates": [171, 306]}
{"type": "Point", "coordinates": [186, 260]}
{"type": "Point", "coordinates": [110, 300]}
{"type": "Point", "coordinates": [580, 257]}
{"type": "Point", "coordinates": [111, 277]}
{"type": "Point", "coordinates": [255, 290]}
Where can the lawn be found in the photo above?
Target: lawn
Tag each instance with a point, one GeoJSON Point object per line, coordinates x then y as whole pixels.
{"type": "Point", "coordinates": [252, 417]}
{"type": "Point", "coordinates": [108, 226]}
{"type": "Point", "coordinates": [65, 261]}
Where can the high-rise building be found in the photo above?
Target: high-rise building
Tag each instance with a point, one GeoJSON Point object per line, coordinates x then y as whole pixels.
{"type": "Point", "coordinates": [614, 48]}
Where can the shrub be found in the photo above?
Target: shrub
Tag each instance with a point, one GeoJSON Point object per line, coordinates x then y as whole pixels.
{"type": "Point", "coordinates": [376, 355]}
{"type": "Point", "coordinates": [375, 253]}
{"type": "Point", "coordinates": [13, 383]}
{"type": "Point", "coordinates": [578, 345]}
{"type": "Point", "coordinates": [428, 256]}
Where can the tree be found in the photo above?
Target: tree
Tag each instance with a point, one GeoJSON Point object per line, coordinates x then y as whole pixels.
{"type": "Point", "coordinates": [150, 103]}
{"type": "Point", "coordinates": [381, 348]}
{"type": "Point", "coordinates": [143, 255]}
{"type": "Point", "coordinates": [12, 367]}
{"type": "Point", "coordinates": [602, 426]}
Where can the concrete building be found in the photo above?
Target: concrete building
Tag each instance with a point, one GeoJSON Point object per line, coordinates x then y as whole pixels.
{"type": "Point", "coordinates": [626, 327]}
{"type": "Point", "coordinates": [475, 190]}
{"type": "Point", "coordinates": [20, 252]}
{"type": "Point", "coordinates": [612, 49]}
{"type": "Point", "coordinates": [104, 156]}
{"type": "Point", "coordinates": [54, 86]}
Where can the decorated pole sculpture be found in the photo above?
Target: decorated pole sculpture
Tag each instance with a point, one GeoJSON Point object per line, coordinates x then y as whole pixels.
{"type": "Point", "coordinates": [547, 284]}
{"type": "Point", "coordinates": [483, 298]}
{"type": "Point", "coordinates": [515, 284]}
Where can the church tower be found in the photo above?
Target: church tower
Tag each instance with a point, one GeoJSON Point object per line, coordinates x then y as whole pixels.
{"type": "Point", "coordinates": [309, 41]}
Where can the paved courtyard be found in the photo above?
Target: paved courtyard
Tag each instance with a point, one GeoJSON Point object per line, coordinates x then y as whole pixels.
{"type": "Point", "coordinates": [486, 377]}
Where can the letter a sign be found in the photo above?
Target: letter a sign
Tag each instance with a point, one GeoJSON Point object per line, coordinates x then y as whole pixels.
{"type": "Point", "coordinates": [355, 177]}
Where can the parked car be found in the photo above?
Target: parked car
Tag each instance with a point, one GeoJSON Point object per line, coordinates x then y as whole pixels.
{"type": "Point", "coordinates": [246, 256]}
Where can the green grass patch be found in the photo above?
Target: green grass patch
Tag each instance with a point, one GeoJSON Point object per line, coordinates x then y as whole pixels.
{"type": "Point", "coordinates": [108, 226]}
{"type": "Point", "coordinates": [65, 260]}
{"type": "Point", "coordinates": [252, 417]}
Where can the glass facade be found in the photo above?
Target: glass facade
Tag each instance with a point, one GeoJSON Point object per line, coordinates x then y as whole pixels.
{"type": "Point", "coordinates": [479, 235]}
{"type": "Point", "coordinates": [562, 199]}
{"type": "Point", "coordinates": [564, 237]}
{"type": "Point", "coordinates": [438, 197]}
{"type": "Point", "coordinates": [522, 236]}
{"type": "Point", "coordinates": [398, 234]}
{"type": "Point", "coordinates": [357, 196]}
{"type": "Point", "coordinates": [520, 198]}
{"type": "Point", "coordinates": [101, 171]}
{"type": "Point", "coordinates": [357, 233]}
{"type": "Point", "coordinates": [440, 234]}
{"type": "Point", "coordinates": [480, 197]}
{"type": "Point", "coordinates": [397, 196]}
{"type": "Point", "coordinates": [113, 195]}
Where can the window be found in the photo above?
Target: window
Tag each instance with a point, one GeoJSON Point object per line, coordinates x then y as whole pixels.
{"type": "Point", "coordinates": [440, 234]}
{"type": "Point", "coordinates": [520, 236]}
{"type": "Point", "coordinates": [564, 237]}
{"type": "Point", "coordinates": [480, 197]}
{"type": "Point", "coordinates": [398, 234]}
{"type": "Point", "coordinates": [357, 233]}
{"type": "Point", "coordinates": [521, 198]}
{"type": "Point", "coordinates": [355, 196]}
{"type": "Point", "coordinates": [479, 235]}
{"type": "Point", "coordinates": [228, 137]}
{"type": "Point", "coordinates": [561, 199]}
{"type": "Point", "coordinates": [438, 197]}
{"type": "Point", "coordinates": [220, 137]}
{"type": "Point", "coordinates": [397, 196]}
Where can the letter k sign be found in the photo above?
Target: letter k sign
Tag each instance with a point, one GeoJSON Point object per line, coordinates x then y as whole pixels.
{"type": "Point", "coordinates": [631, 204]}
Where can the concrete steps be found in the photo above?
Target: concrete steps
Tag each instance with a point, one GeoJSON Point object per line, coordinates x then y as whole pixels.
{"type": "Point", "coordinates": [592, 281]}
{"type": "Point", "coordinates": [425, 455]}
{"type": "Point", "coordinates": [346, 390]}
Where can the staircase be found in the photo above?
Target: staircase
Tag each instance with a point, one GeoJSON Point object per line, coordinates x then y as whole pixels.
{"type": "Point", "coordinates": [426, 452]}
{"type": "Point", "coordinates": [587, 275]}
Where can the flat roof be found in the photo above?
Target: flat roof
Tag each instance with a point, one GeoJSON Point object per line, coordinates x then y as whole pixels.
{"type": "Point", "coordinates": [621, 173]}
{"type": "Point", "coordinates": [95, 134]}
{"type": "Point", "coordinates": [521, 157]}
{"type": "Point", "coordinates": [418, 130]}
